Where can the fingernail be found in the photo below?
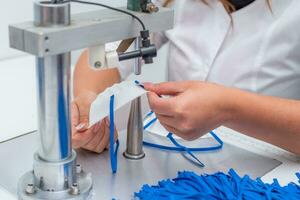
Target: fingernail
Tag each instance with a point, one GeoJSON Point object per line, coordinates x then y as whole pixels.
{"type": "Point", "coordinates": [80, 126]}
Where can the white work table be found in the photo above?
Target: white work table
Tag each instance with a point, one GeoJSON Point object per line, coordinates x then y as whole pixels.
{"type": "Point", "coordinates": [18, 116]}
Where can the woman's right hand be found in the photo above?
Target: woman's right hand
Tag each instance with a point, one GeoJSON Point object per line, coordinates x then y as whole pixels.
{"type": "Point", "coordinates": [95, 138]}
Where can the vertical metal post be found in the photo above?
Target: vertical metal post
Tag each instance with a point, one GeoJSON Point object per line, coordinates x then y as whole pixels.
{"type": "Point", "coordinates": [53, 75]}
{"type": "Point", "coordinates": [54, 175]}
{"type": "Point", "coordinates": [134, 148]}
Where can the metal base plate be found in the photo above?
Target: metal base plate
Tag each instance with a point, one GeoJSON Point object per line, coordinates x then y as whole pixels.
{"type": "Point", "coordinates": [84, 182]}
{"type": "Point", "coordinates": [17, 158]}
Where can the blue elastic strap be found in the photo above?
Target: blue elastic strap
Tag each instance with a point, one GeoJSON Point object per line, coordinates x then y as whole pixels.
{"type": "Point", "coordinates": [172, 148]}
{"type": "Point", "coordinates": [112, 151]}
{"type": "Point", "coordinates": [217, 186]}
{"type": "Point", "coordinates": [181, 148]}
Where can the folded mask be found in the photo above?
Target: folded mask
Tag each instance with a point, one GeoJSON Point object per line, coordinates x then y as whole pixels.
{"type": "Point", "coordinates": [124, 93]}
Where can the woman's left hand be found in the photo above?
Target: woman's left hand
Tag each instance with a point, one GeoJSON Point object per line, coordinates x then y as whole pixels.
{"type": "Point", "coordinates": [191, 108]}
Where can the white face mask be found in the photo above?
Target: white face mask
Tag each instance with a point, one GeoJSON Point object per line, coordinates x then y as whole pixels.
{"type": "Point", "coordinates": [124, 93]}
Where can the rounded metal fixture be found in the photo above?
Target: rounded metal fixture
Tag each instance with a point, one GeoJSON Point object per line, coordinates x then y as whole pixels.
{"type": "Point", "coordinates": [30, 188]}
{"type": "Point", "coordinates": [134, 157]}
{"type": "Point", "coordinates": [97, 64]}
{"type": "Point", "coordinates": [74, 190]}
{"type": "Point", "coordinates": [78, 169]}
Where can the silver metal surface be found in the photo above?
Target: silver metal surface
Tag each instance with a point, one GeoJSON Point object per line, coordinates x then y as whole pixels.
{"type": "Point", "coordinates": [54, 166]}
{"type": "Point", "coordinates": [16, 157]}
{"type": "Point", "coordinates": [82, 190]}
{"type": "Point", "coordinates": [54, 176]}
{"type": "Point", "coordinates": [53, 79]}
{"type": "Point", "coordinates": [87, 29]}
{"type": "Point", "coordinates": [47, 14]}
{"type": "Point", "coordinates": [134, 144]}
{"type": "Point", "coordinates": [137, 68]}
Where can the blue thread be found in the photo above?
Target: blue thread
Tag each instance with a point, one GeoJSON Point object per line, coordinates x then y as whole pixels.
{"type": "Point", "coordinates": [112, 151]}
{"type": "Point", "coordinates": [188, 185]}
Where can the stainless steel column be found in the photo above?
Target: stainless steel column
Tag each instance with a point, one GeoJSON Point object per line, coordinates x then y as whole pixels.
{"type": "Point", "coordinates": [55, 174]}
{"type": "Point", "coordinates": [53, 75]}
{"type": "Point", "coordinates": [134, 148]}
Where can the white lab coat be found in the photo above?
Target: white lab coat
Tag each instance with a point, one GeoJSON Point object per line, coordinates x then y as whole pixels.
{"type": "Point", "coordinates": [259, 51]}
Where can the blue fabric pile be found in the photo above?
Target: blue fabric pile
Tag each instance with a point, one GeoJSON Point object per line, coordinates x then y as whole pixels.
{"type": "Point", "coordinates": [189, 185]}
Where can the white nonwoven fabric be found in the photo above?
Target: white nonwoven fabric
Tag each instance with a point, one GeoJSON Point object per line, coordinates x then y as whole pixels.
{"type": "Point", "coordinates": [124, 93]}
{"type": "Point", "coordinates": [156, 127]}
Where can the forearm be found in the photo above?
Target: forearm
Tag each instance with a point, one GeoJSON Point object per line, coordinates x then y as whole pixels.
{"type": "Point", "coordinates": [274, 120]}
{"type": "Point", "coordinates": [88, 79]}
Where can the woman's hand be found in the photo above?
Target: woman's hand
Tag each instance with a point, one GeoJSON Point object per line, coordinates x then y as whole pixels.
{"type": "Point", "coordinates": [191, 109]}
{"type": "Point", "coordinates": [95, 138]}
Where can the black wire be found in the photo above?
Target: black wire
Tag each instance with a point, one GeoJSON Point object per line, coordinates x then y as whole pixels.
{"type": "Point", "coordinates": [109, 7]}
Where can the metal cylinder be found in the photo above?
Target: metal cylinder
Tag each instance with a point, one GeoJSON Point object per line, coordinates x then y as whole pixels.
{"type": "Point", "coordinates": [134, 144]}
{"type": "Point", "coordinates": [53, 75]}
{"type": "Point", "coordinates": [134, 148]}
{"type": "Point", "coordinates": [48, 14]}
{"type": "Point", "coordinates": [54, 169]}
{"type": "Point", "coordinates": [138, 61]}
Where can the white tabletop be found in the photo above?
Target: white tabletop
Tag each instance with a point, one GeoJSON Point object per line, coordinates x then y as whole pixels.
{"type": "Point", "coordinates": [18, 116]}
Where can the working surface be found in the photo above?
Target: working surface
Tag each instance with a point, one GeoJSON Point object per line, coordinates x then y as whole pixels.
{"type": "Point", "coordinates": [131, 175]}
{"type": "Point", "coordinates": [18, 107]}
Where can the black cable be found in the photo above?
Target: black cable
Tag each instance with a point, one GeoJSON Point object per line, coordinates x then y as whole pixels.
{"type": "Point", "coordinates": [109, 7]}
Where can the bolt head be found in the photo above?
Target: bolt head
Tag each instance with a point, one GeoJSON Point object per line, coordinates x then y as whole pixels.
{"type": "Point", "coordinates": [97, 64]}
{"type": "Point", "coordinates": [74, 189]}
{"type": "Point", "coordinates": [152, 8]}
{"type": "Point", "coordinates": [78, 169]}
{"type": "Point", "coordinates": [30, 188]}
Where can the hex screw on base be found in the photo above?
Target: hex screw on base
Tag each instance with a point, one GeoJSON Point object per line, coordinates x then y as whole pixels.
{"type": "Point", "coordinates": [74, 190]}
{"type": "Point", "coordinates": [30, 188]}
{"type": "Point", "coordinates": [78, 169]}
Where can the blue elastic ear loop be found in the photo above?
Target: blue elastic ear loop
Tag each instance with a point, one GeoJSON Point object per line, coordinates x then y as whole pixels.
{"type": "Point", "coordinates": [112, 151]}
{"type": "Point", "coordinates": [185, 149]}
{"type": "Point", "coordinates": [213, 148]}
{"type": "Point", "coordinates": [181, 148]}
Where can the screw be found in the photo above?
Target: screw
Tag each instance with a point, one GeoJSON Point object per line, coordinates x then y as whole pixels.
{"type": "Point", "coordinates": [66, 185]}
{"type": "Point", "coordinates": [97, 64]}
{"type": "Point", "coordinates": [152, 8]}
{"type": "Point", "coordinates": [30, 189]}
{"type": "Point", "coordinates": [78, 168]}
{"type": "Point", "coordinates": [42, 182]}
{"type": "Point", "coordinates": [74, 190]}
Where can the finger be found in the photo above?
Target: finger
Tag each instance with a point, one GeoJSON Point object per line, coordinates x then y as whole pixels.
{"type": "Point", "coordinates": [159, 105]}
{"type": "Point", "coordinates": [81, 139]}
{"type": "Point", "coordinates": [170, 121]}
{"type": "Point", "coordinates": [170, 129]}
{"type": "Point", "coordinates": [166, 88]}
{"type": "Point", "coordinates": [115, 138]}
{"type": "Point", "coordinates": [84, 104]}
{"type": "Point", "coordinates": [105, 140]}
{"type": "Point", "coordinates": [93, 143]}
{"type": "Point", "coordinates": [75, 116]}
